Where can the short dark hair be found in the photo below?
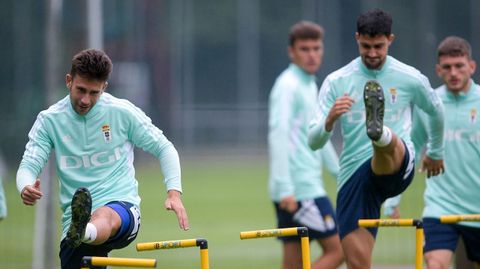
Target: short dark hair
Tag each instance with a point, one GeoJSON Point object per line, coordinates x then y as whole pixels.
{"type": "Point", "coordinates": [91, 64]}
{"type": "Point", "coordinates": [305, 30]}
{"type": "Point", "coordinates": [375, 22]}
{"type": "Point", "coordinates": [454, 46]}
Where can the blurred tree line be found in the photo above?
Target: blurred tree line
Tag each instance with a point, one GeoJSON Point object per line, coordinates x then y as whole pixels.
{"type": "Point", "coordinates": [202, 69]}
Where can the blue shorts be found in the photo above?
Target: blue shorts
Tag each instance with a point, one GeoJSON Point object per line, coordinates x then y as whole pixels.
{"type": "Point", "coordinates": [445, 236]}
{"type": "Point", "coordinates": [71, 258]}
{"type": "Point", "coordinates": [316, 214]}
{"type": "Point", "coordinates": [363, 194]}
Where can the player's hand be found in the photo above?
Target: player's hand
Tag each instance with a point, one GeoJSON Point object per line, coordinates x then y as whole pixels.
{"type": "Point", "coordinates": [289, 204]}
{"type": "Point", "coordinates": [174, 202]}
{"type": "Point", "coordinates": [341, 106]}
{"type": "Point", "coordinates": [432, 167]}
{"type": "Point", "coordinates": [31, 193]}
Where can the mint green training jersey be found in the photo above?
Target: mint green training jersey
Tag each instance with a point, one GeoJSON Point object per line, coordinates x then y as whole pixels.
{"type": "Point", "coordinates": [403, 87]}
{"type": "Point", "coordinates": [3, 202]}
{"type": "Point", "coordinates": [96, 151]}
{"type": "Point", "coordinates": [457, 190]}
{"type": "Point", "coordinates": [295, 169]}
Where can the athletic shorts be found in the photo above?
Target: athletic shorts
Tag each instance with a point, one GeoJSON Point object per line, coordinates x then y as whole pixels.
{"type": "Point", "coordinates": [316, 214]}
{"type": "Point", "coordinates": [361, 197]}
{"type": "Point", "coordinates": [445, 236]}
{"type": "Point", "coordinates": [71, 258]}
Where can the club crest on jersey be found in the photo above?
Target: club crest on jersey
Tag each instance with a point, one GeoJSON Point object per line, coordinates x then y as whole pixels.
{"type": "Point", "coordinates": [473, 115]}
{"type": "Point", "coordinates": [393, 95]}
{"type": "Point", "coordinates": [107, 135]}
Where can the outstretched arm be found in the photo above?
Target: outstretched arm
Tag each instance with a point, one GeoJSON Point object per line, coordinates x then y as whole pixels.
{"type": "Point", "coordinates": [31, 193]}
{"type": "Point", "coordinates": [170, 165]}
{"type": "Point", "coordinates": [430, 103]}
{"type": "Point", "coordinates": [174, 203]}
{"type": "Point", "coordinates": [34, 159]}
{"type": "Point", "coordinates": [147, 136]}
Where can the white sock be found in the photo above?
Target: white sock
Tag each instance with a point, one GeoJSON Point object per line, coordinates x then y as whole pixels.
{"type": "Point", "coordinates": [90, 233]}
{"type": "Point", "coordinates": [385, 139]}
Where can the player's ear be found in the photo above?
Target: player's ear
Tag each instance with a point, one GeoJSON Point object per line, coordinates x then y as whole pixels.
{"type": "Point", "coordinates": [473, 66]}
{"type": "Point", "coordinates": [68, 80]}
{"type": "Point", "coordinates": [438, 69]}
{"type": "Point", "coordinates": [391, 38]}
{"type": "Point", "coordinates": [105, 85]}
{"type": "Point", "coordinates": [290, 52]}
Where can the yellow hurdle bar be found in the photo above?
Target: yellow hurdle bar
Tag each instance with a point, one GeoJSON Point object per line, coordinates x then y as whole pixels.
{"type": "Point", "coordinates": [459, 218]}
{"type": "Point", "coordinates": [88, 261]}
{"type": "Point", "coordinates": [419, 235]}
{"type": "Point", "coordinates": [185, 243]}
{"type": "Point", "coordinates": [295, 231]}
{"type": "Point", "coordinates": [269, 233]}
{"type": "Point", "coordinates": [369, 223]}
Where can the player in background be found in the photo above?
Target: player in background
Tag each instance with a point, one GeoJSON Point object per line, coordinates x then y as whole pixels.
{"type": "Point", "coordinates": [296, 181]}
{"type": "Point", "coordinates": [377, 161]}
{"type": "Point", "coordinates": [93, 135]}
{"type": "Point", "coordinates": [3, 202]}
{"type": "Point", "coordinates": [456, 191]}
{"type": "Point", "coordinates": [3, 198]}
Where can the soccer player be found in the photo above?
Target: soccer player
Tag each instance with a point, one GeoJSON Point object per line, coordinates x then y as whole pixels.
{"type": "Point", "coordinates": [3, 202]}
{"type": "Point", "coordinates": [456, 191]}
{"type": "Point", "coordinates": [295, 182]}
{"type": "Point", "coordinates": [93, 135]}
{"type": "Point", "coordinates": [376, 163]}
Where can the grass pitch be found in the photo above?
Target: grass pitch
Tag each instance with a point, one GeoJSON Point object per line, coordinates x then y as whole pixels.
{"type": "Point", "coordinates": [223, 196]}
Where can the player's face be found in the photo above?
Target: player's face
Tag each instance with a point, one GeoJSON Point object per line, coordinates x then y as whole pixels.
{"type": "Point", "coordinates": [307, 54]}
{"type": "Point", "coordinates": [374, 50]}
{"type": "Point", "coordinates": [84, 93]}
{"type": "Point", "coordinates": [455, 71]}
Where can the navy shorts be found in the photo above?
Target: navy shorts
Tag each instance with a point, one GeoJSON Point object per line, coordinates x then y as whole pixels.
{"type": "Point", "coordinates": [71, 258]}
{"type": "Point", "coordinates": [361, 197]}
{"type": "Point", "coordinates": [445, 236]}
{"type": "Point", "coordinates": [316, 214]}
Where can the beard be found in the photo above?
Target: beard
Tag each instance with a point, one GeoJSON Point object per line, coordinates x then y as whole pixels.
{"type": "Point", "coordinates": [373, 63]}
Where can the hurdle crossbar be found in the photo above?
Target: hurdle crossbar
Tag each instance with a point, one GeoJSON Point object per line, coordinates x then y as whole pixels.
{"type": "Point", "coordinates": [89, 261]}
{"type": "Point", "coordinates": [302, 232]}
{"type": "Point", "coordinates": [459, 218]}
{"type": "Point", "coordinates": [419, 235]}
{"type": "Point", "coordinates": [184, 243]}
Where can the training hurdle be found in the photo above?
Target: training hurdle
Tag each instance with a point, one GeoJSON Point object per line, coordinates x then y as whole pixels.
{"type": "Point", "coordinates": [302, 232]}
{"type": "Point", "coordinates": [89, 261]}
{"type": "Point", "coordinates": [185, 243]}
{"type": "Point", "coordinates": [370, 223]}
{"type": "Point", "coordinates": [459, 218]}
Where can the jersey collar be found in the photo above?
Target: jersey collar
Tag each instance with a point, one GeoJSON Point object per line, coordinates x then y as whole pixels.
{"type": "Point", "coordinates": [301, 73]}
{"type": "Point", "coordinates": [374, 72]}
{"type": "Point", "coordinates": [94, 111]}
{"type": "Point", "coordinates": [462, 95]}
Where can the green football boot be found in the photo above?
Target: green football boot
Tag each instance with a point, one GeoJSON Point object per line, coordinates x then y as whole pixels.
{"type": "Point", "coordinates": [81, 209]}
{"type": "Point", "coordinates": [374, 109]}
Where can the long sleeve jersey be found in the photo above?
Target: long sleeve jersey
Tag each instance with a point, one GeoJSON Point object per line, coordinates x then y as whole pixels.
{"type": "Point", "coordinates": [3, 202]}
{"type": "Point", "coordinates": [96, 151]}
{"type": "Point", "coordinates": [295, 169]}
{"type": "Point", "coordinates": [403, 87]}
{"type": "Point", "coordinates": [455, 191]}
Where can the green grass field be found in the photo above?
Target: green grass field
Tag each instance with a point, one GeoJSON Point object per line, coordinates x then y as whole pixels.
{"type": "Point", "coordinates": [223, 196]}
